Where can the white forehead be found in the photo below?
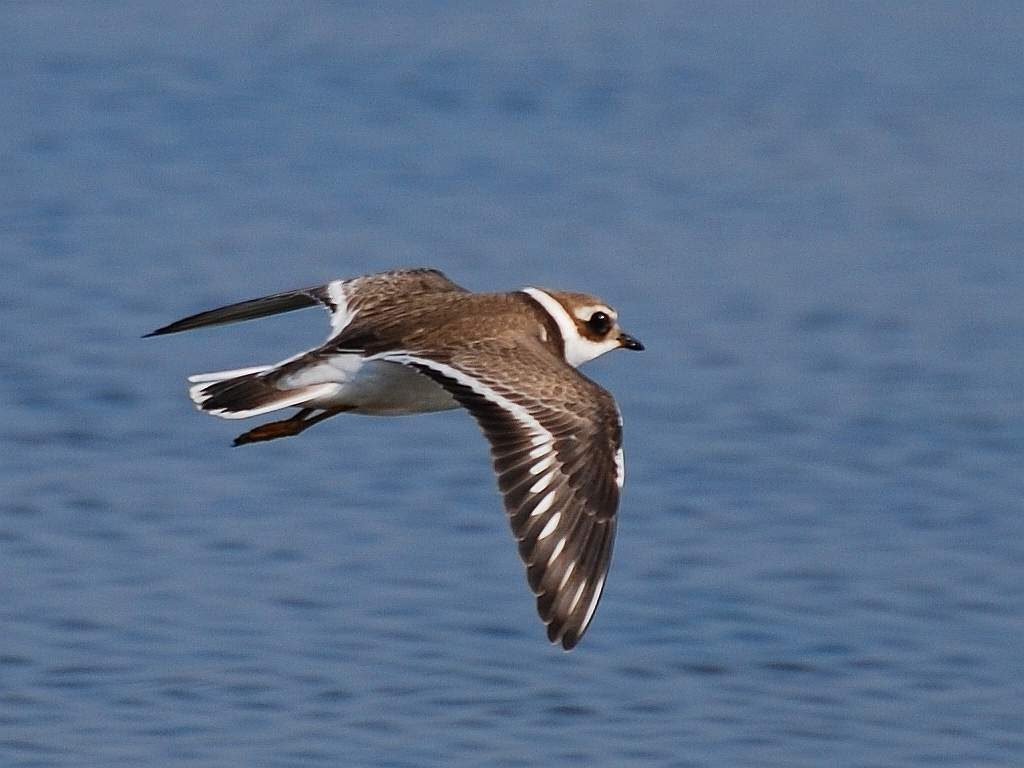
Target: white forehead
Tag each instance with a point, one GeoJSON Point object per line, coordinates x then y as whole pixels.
{"type": "Point", "coordinates": [577, 349]}
{"type": "Point", "coordinates": [584, 313]}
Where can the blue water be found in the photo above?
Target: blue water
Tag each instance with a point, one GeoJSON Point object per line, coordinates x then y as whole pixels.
{"type": "Point", "coordinates": [812, 216]}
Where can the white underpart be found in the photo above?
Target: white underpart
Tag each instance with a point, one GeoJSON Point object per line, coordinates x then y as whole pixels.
{"type": "Point", "coordinates": [343, 380]}
{"type": "Point", "coordinates": [593, 605]}
{"type": "Point", "coordinates": [339, 369]}
{"type": "Point", "coordinates": [371, 386]}
{"type": "Point", "coordinates": [376, 387]}
{"type": "Point", "coordinates": [577, 349]}
{"type": "Point", "coordinates": [550, 526]}
{"type": "Point", "coordinates": [620, 468]}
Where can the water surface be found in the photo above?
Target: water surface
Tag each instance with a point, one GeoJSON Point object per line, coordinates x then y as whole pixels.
{"type": "Point", "coordinates": [811, 217]}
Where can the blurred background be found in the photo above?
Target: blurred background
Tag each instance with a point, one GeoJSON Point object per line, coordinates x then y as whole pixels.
{"type": "Point", "coordinates": [811, 215]}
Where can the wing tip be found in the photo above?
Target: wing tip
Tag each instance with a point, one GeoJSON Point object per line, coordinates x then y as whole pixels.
{"type": "Point", "coordinates": [251, 309]}
{"type": "Point", "coordinates": [569, 641]}
{"type": "Point", "coordinates": [565, 634]}
{"type": "Point", "coordinates": [185, 324]}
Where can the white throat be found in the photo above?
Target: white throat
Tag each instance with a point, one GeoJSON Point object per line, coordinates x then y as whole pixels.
{"type": "Point", "coordinates": [577, 349]}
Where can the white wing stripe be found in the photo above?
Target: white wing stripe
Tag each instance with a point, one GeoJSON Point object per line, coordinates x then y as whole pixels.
{"type": "Point", "coordinates": [544, 505]}
{"type": "Point", "coordinates": [566, 575]}
{"type": "Point", "coordinates": [540, 466]}
{"type": "Point", "coordinates": [593, 604]}
{"type": "Point", "coordinates": [542, 443]}
{"type": "Point", "coordinates": [557, 551]}
{"type": "Point", "coordinates": [577, 596]}
{"type": "Point", "coordinates": [340, 316]}
{"type": "Point", "coordinates": [549, 528]}
{"type": "Point", "coordinates": [543, 483]}
{"type": "Point", "coordinates": [540, 450]}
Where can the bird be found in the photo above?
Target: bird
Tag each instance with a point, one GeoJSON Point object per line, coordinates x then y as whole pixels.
{"type": "Point", "coordinates": [411, 341]}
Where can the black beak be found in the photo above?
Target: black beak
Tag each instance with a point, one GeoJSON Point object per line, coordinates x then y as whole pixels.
{"type": "Point", "coordinates": [628, 342]}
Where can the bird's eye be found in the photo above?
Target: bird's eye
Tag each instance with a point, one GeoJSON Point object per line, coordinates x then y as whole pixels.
{"type": "Point", "coordinates": [599, 322]}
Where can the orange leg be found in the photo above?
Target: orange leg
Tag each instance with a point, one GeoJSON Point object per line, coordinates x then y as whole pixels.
{"type": "Point", "coordinates": [287, 427]}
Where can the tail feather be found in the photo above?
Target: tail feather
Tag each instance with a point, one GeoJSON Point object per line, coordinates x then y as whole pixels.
{"type": "Point", "coordinates": [247, 392]}
{"type": "Point", "coordinates": [206, 378]}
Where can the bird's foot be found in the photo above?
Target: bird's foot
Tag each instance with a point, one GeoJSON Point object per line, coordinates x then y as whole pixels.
{"type": "Point", "coordinates": [272, 431]}
{"type": "Point", "coordinates": [287, 427]}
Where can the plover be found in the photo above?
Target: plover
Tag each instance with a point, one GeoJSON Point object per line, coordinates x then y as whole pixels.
{"type": "Point", "coordinates": [412, 341]}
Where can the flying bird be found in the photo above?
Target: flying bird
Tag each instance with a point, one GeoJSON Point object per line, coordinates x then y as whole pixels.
{"type": "Point", "coordinates": [412, 341]}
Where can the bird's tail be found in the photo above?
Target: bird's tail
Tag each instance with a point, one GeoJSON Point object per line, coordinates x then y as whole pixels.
{"type": "Point", "coordinates": [246, 392]}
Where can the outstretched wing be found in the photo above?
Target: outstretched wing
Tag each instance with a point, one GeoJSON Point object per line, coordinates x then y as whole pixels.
{"type": "Point", "coordinates": [556, 441]}
{"type": "Point", "coordinates": [249, 310]}
{"type": "Point", "coordinates": [340, 297]}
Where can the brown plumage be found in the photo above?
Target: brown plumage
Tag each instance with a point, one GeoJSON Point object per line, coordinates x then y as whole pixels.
{"type": "Point", "coordinates": [410, 341]}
